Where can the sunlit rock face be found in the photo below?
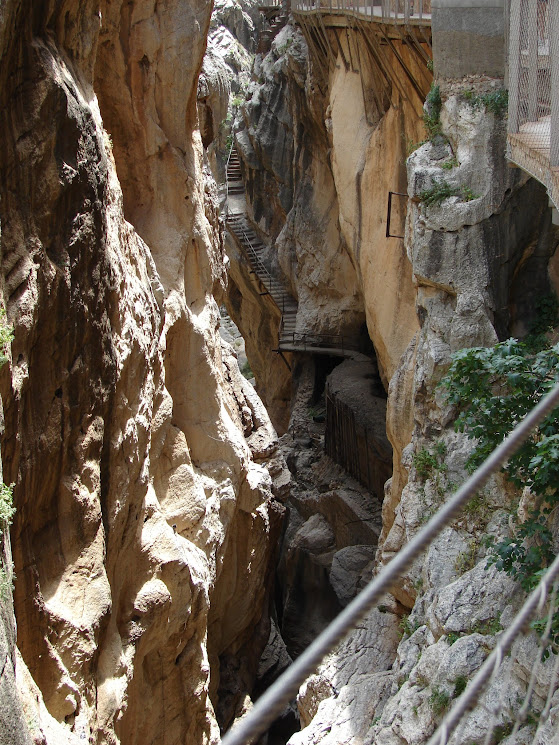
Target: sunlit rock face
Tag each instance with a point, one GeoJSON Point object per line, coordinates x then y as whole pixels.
{"type": "Point", "coordinates": [146, 515]}
{"type": "Point", "coordinates": [479, 263]}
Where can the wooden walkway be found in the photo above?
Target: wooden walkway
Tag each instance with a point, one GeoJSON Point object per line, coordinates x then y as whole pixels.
{"type": "Point", "coordinates": [389, 12]}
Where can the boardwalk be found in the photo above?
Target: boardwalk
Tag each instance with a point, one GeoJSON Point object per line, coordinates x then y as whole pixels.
{"type": "Point", "coordinates": [533, 122]}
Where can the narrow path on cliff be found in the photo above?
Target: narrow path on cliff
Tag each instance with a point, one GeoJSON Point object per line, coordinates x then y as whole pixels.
{"type": "Point", "coordinates": [290, 339]}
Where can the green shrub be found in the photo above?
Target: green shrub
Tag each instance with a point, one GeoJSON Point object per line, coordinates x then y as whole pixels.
{"type": "Point", "coordinates": [494, 389]}
{"type": "Point", "coordinates": [460, 683]}
{"type": "Point", "coordinates": [468, 195]}
{"type": "Point", "coordinates": [437, 193]}
{"type": "Point", "coordinates": [407, 627]}
{"type": "Point", "coordinates": [489, 627]}
{"type": "Point", "coordinates": [500, 732]}
{"type": "Point", "coordinates": [439, 701]}
{"type": "Point", "coordinates": [432, 113]}
{"type": "Point", "coordinates": [466, 560]}
{"type": "Point", "coordinates": [6, 585]}
{"type": "Point", "coordinates": [412, 146]}
{"type": "Point", "coordinates": [246, 370]}
{"type": "Point", "coordinates": [452, 637]}
{"type": "Point", "coordinates": [451, 163]}
{"type": "Point", "coordinates": [6, 507]}
{"type": "Point", "coordinates": [6, 336]}
{"type": "Point", "coordinates": [428, 463]}
{"type": "Point", "coordinates": [495, 102]}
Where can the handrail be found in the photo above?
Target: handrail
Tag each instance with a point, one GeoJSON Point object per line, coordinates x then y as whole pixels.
{"type": "Point", "coordinates": [227, 176]}
{"type": "Point", "coordinates": [285, 688]}
{"type": "Point", "coordinates": [254, 259]}
{"type": "Point", "coordinates": [300, 340]}
{"type": "Point", "coordinates": [406, 12]}
{"type": "Point", "coordinates": [311, 339]}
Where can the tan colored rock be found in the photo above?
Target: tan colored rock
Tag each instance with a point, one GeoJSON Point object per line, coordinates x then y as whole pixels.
{"type": "Point", "coordinates": [125, 437]}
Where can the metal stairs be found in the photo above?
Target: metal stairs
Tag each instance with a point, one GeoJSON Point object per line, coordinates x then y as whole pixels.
{"type": "Point", "coordinates": [253, 248]}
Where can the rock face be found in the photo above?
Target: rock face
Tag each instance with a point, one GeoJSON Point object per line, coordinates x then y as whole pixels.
{"type": "Point", "coordinates": [321, 154]}
{"type": "Point", "coordinates": [478, 263]}
{"type": "Point", "coordinates": [146, 517]}
{"type": "Point", "coordinates": [322, 146]}
{"type": "Point", "coordinates": [13, 729]}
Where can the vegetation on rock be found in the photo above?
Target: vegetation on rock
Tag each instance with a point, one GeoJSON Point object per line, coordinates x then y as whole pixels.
{"type": "Point", "coordinates": [495, 102]}
{"type": "Point", "coordinates": [494, 389]}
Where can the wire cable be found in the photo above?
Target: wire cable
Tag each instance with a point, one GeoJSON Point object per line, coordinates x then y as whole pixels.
{"type": "Point", "coordinates": [268, 707]}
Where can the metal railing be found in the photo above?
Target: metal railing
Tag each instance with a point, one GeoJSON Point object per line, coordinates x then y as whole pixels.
{"type": "Point", "coordinates": [251, 254]}
{"type": "Point", "coordinates": [311, 339]}
{"type": "Point", "coordinates": [534, 87]}
{"type": "Point", "coordinates": [285, 688]}
{"type": "Point", "coordinates": [383, 11]}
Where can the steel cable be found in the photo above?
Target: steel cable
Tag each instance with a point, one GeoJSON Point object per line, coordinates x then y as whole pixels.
{"type": "Point", "coordinates": [268, 707]}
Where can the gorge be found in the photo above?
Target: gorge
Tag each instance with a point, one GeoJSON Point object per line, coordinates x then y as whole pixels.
{"type": "Point", "coordinates": [179, 534]}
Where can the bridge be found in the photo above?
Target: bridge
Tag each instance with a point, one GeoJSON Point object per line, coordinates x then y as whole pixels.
{"type": "Point", "coordinates": [396, 34]}
{"type": "Point", "coordinates": [390, 12]}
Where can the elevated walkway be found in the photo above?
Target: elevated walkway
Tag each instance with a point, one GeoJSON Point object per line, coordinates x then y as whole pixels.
{"type": "Point", "coordinates": [395, 34]}
{"type": "Point", "coordinates": [533, 122]}
{"type": "Point", "coordinates": [389, 12]}
{"type": "Point", "coordinates": [276, 13]}
{"type": "Point", "coordinates": [253, 249]}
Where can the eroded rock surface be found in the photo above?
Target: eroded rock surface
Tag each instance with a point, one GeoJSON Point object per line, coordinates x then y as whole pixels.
{"type": "Point", "coordinates": [146, 517]}
{"type": "Point", "coordinates": [472, 260]}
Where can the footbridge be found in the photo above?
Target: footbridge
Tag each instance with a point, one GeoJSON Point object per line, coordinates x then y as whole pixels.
{"type": "Point", "coordinates": [389, 12]}
{"type": "Point", "coordinates": [533, 123]}
{"type": "Point", "coordinates": [239, 226]}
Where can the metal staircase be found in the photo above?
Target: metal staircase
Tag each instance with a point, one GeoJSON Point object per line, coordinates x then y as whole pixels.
{"type": "Point", "coordinates": [253, 248]}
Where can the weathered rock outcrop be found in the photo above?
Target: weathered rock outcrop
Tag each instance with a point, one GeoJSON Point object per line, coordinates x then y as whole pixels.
{"type": "Point", "coordinates": [146, 520]}
{"type": "Point", "coordinates": [478, 264]}
{"type": "Point", "coordinates": [321, 153]}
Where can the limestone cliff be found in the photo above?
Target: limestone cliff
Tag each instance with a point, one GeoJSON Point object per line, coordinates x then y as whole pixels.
{"type": "Point", "coordinates": [323, 142]}
{"type": "Point", "coordinates": [146, 519]}
{"type": "Point", "coordinates": [478, 264]}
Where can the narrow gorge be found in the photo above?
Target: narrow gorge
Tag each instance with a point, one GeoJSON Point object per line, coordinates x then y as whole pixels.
{"type": "Point", "coordinates": [241, 246]}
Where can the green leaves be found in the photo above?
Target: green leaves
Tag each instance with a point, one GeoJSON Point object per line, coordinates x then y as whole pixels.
{"type": "Point", "coordinates": [493, 389]}
{"type": "Point", "coordinates": [6, 507]}
{"type": "Point", "coordinates": [6, 336]}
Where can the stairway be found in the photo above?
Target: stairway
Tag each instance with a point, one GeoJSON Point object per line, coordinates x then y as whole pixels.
{"type": "Point", "coordinates": [277, 22]}
{"type": "Point", "coordinates": [235, 183]}
{"type": "Point", "coordinates": [253, 249]}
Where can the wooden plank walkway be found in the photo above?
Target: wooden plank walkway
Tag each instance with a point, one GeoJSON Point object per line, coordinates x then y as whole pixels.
{"type": "Point", "coordinates": [389, 12]}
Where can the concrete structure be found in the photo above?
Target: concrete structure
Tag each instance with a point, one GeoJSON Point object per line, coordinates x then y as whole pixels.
{"type": "Point", "coordinates": [468, 37]}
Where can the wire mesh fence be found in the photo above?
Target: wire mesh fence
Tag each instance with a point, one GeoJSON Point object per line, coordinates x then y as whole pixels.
{"type": "Point", "coordinates": [534, 75]}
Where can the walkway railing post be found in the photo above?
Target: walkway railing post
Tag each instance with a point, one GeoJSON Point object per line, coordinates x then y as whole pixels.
{"type": "Point", "coordinates": [532, 37]}
{"type": "Point", "coordinates": [514, 66]}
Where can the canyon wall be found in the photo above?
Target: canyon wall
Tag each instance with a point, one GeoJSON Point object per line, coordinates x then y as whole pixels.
{"type": "Point", "coordinates": [479, 266]}
{"type": "Point", "coordinates": [323, 142]}
{"type": "Point", "coordinates": [146, 520]}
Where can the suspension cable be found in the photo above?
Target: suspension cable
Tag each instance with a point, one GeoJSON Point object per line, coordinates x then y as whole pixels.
{"type": "Point", "coordinates": [269, 706]}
